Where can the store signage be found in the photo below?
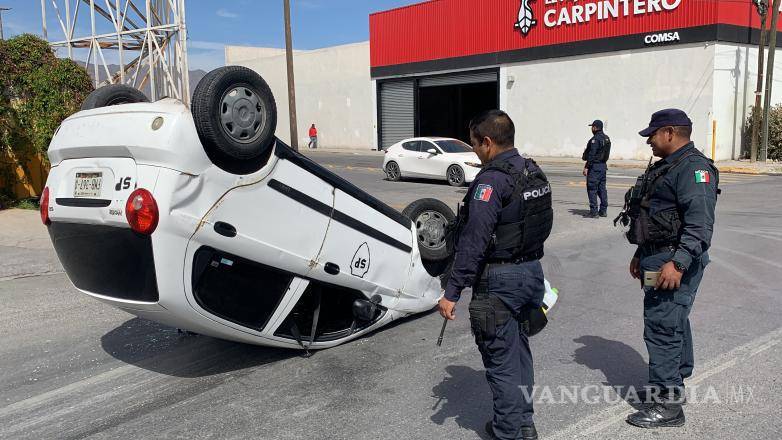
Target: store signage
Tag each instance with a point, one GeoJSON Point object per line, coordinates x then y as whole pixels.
{"type": "Point", "coordinates": [664, 37]}
{"type": "Point", "coordinates": [573, 12]}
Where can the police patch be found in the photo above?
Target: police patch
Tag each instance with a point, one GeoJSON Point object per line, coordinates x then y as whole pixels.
{"type": "Point", "coordinates": [483, 193]}
{"type": "Point", "coordinates": [702, 176]}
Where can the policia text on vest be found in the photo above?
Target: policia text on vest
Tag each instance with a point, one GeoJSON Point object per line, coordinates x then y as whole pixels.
{"type": "Point", "coordinates": [498, 240]}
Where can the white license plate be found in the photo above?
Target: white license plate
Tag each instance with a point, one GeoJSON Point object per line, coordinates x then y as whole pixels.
{"type": "Point", "coordinates": [87, 184]}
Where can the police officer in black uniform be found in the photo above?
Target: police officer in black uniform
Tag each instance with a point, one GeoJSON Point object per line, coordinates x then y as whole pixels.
{"type": "Point", "coordinates": [596, 155]}
{"type": "Point", "coordinates": [670, 212]}
{"type": "Point", "coordinates": [505, 219]}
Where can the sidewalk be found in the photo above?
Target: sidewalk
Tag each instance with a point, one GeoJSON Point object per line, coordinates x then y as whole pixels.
{"type": "Point", "coordinates": [725, 166]}
{"type": "Point", "coordinates": [25, 247]}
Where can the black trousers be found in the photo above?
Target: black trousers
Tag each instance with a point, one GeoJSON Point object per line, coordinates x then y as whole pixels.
{"type": "Point", "coordinates": [596, 187]}
{"type": "Point", "coordinates": [504, 348]}
{"type": "Point", "coordinates": [667, 330]}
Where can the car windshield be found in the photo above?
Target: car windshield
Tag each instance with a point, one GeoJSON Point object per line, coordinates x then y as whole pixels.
{"type": "Point", "coordinates": [453, 146]}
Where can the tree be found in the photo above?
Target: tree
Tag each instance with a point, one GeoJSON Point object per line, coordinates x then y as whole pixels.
{"type": "Point", "coordinates": [37, 91]}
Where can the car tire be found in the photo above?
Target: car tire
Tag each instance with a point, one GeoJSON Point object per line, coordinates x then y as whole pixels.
{"type": "Point", "coordinates": [235, 116]}
{"type": "Point", "coordinates": [113, 94]}
{"type": "Point", "coordinates": [455, 175]}
{"type": "Point", "coordinates": [430, 218]}
{"type": "Point", "coordinates": [393, 172]}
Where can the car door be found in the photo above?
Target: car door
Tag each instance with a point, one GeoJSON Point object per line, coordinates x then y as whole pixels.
{"type": "Point", "coordinates": [259, 240]}
{"type": "Point", "coordinates": [416, 162]}
{"type": "Point", "coordinates": [432, 165]}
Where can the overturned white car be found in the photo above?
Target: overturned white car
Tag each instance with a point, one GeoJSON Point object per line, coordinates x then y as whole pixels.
{"type": "Point", "coordinates": [204, 221]}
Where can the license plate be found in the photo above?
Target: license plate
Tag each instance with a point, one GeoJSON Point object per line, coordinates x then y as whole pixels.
{"type": "Point", "coordinates": [87, 184]}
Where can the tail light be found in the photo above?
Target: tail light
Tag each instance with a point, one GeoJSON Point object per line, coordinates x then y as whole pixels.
{"type": "Point", "coordinates": [44, 203]}
{"type": "Point", "coordinates": [141, 211]}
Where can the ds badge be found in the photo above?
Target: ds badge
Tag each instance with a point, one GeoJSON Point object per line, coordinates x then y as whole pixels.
{"type": "Point", "coordinates": [360, 264]}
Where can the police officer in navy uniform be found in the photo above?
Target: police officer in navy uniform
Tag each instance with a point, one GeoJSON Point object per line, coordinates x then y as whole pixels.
{"type": "Point", "coordinates": [596, 155]}
{"type": "Point", "coordinates": [505, 274]}
{"type": "Point", "coordinates": [671, 219]}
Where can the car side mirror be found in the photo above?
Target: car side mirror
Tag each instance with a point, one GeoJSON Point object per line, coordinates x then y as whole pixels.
{"type": "Point", "coordinates": [432, 151]}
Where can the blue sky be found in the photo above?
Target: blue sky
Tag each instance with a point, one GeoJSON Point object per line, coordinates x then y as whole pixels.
{"type": "Point", "coordinates": [213, 24]}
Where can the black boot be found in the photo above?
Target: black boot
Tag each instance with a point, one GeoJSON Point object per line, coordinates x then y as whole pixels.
{"type": "Point", "coordinates": [658, 415]}
{"type": "Point", "coordinates": [603, 213]}
{"type": "Point", "coordinates": [525, 433]}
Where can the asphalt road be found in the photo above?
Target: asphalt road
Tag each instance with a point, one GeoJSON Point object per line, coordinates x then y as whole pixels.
{"type": "Point", "coordinates": [71, 367]}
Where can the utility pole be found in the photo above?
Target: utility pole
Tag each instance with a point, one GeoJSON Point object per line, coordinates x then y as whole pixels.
{"type": "Point", "coordinates": [772, 46]}
{"type": "Point", "coordinates": [1, 21]}
{"type": "Point", "coordinates": [762, 8]}
{"type": "Point", "coordinates": [291, 82]}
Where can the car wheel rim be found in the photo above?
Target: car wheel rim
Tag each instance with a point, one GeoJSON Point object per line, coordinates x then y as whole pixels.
{"type": "Point", "coordinates": [455, 175]}
{"type": "Point", "coordinates": [242, 114]}
{"type": "Point", "coordinates": [392, 170]}
{"type": "Point", "coordinates": [430, 228]}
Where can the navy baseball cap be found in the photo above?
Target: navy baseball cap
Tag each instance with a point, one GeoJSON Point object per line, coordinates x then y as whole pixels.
{"type": "Point", "coordinates": [670, 117]}
{"type": "Point", "coordinates": [597, 123]}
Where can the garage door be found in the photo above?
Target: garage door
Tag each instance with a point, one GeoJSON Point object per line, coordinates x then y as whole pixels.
{"type": "Point", "coordinates": [465, 78]}
{"type": "Point", "coordinates": [397, 112]}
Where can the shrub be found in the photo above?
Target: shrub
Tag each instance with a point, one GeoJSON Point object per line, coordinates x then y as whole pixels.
{"type": "Point", "coordinates": [774, 133]}
{"type": "Point", "coordinates": [37, 91]}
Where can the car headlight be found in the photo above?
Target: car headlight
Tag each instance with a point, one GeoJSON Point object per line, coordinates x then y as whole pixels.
{"type": "Point", "coordinates": [473, 164]}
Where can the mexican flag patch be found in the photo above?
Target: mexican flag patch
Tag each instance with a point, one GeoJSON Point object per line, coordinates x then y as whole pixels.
{"type": "Point", "coordinates": [483, 193]}
{"type": "Point", "coordinates": [702, 176]}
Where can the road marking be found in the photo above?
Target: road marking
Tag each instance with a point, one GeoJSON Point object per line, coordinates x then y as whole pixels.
{"type": "Point", "coordinates": [618, 412]}
{"type": "Point", "coordinates": [750, 256]}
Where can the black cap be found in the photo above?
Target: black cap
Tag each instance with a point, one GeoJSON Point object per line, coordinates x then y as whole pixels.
{"type": "Point", "coordinates": [670, 117]}
{"type": "Point", "coordinates": [597, 123]}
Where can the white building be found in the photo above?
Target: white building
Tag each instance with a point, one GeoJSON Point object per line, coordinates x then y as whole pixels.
{"type": "Point", "coordinates": [430, 67]}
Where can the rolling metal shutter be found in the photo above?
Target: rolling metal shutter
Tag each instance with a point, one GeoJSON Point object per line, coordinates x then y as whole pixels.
{"type": "Point", "coordinates": [397, 112]}
{"type": "Point", "coordinates": [465, 78]}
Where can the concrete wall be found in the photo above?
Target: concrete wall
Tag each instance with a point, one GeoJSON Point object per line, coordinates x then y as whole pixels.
{"type": "Point", "coordinates": [333, 91]}
{"type": "Point", "coordinates": [552, 101]}
{"type": "Point", "coordinates": [735, 79]}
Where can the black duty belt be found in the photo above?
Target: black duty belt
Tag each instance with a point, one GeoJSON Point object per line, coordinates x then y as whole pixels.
{"type": "Point", "coordinates": [518, 260]}
{"type": "Point", "coordinates": [501, 262]}
{"type": "Point", "coordinates": [656, 248]}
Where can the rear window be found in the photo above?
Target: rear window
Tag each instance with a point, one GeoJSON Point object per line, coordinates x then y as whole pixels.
{"type": "Point", "coordinates": [454, 146]}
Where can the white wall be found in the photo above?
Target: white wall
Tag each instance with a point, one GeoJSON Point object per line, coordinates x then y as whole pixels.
{"type": "Point", "coordinates": [333, 90]}
{"type": "Point", "coordinates": [735, 79]}
{"type": "Point", "coordinates": [553, 101]}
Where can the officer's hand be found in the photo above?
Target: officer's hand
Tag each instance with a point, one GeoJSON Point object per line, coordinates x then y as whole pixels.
{"type": "Point", "coordinates": [446, 308]}
{"type": "Point", "coordinates": [670, 278]}
{"type": "Point", "coordinates": [635, 268]}
{"type": "Point", "coordinates": [585, 172]}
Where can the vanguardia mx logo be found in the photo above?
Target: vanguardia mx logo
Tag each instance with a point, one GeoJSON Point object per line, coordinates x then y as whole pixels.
{"type": "Point", "coordinates": [526, 19]}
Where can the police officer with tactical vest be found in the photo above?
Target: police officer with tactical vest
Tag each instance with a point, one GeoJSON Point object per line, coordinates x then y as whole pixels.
{"type": "Point", "coordinates": [500, 230]}
{"type": "Point", "coordinates": [596, 154]}
{"type": "Point", "coordinates": [670, 212]}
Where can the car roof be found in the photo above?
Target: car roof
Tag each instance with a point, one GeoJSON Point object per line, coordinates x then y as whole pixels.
{"type": "Point", "coordinates": [428, 138]}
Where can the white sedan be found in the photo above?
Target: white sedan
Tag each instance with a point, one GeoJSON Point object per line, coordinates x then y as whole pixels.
{"type": "Point", "coordinates": [432, 157]}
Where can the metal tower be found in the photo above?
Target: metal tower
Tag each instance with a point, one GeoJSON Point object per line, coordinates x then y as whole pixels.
{"type": "Point", "coordinates": [141, 43]}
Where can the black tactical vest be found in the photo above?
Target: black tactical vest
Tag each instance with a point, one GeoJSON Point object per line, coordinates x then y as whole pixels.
{"type": "Point", "coordinates": [526, 218]}
{"type": "Point", "coordinates": [664, 228]}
